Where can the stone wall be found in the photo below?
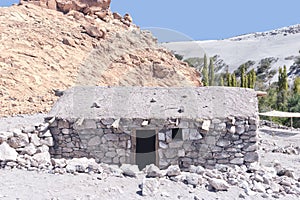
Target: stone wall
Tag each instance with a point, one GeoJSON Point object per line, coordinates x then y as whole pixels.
{"type": "Point", "coordinates": [92, 139]}
{"type": "Point", "coordinates": [230, 141]}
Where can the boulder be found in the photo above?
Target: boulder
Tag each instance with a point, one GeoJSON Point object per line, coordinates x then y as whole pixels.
{"type": "Point", "coordinates": [59, 163]}
{"type": "Point", "coordinates": [67, 5]}
{"type": "Point", "coordinates": [153, 171]}
{"type": "Point", "coordinates": [80, 165]}
{"type": "Point", "coordinates": [192, 179]}
{"type": "Point", "coordinates": [173, 170]}
{"type": "Point", "coordinates": [94, 31]}
{"type": "Point", "coordinates": [197, 169]}
{"type": "Point", "coordinates": [4, 136]}
{"type": "Point", "coordinates": [117, 16]}
{"type": "Point", "coordinates": [29, 149]}
{"type": "Point", "coordinates": [51, 4]}
{"type": "Point", "coordinates": [218, 184]}
{"type": "Point", "coordinates": [258, 187]}
{"type": "Point", "coordinates": [42, 149]}
{"type": "Point", "coordinates": [69, 41]}
{"type": "Point", "coordinates": [127, 17]}
{"type": "Point", "coordinates": [20, 140]}
{"type": "Point", "coordinates": [113, 170]}
{"type": "Point", "coordinates": [130, 170]}
{"type": "Point", "coordinates": [150, 186]}
{"type": "Point", "coordinates": [42, 159]}
{"type": "Point", "coordinates": [101, 14]}
{"type": "Point", "coordinates": [7, 153]}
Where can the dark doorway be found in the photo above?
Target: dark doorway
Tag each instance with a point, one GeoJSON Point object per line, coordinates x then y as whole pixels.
{"type": "Point", "coordinates": [145, 148]}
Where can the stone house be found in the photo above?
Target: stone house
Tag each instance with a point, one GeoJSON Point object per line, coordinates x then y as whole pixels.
{"type": "Point", "coordinates": [140, 125]}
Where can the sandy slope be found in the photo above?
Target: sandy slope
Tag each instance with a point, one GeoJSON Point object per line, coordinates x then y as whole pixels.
{"type": "Point", "coordinates": [279, 44]}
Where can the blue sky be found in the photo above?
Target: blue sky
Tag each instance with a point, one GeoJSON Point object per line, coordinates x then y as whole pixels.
{"type": "Point", "coordinates": [210, 19]}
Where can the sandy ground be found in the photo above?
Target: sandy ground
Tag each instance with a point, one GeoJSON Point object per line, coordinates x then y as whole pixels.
{"type": "Point", "coordinates": [19, 184]}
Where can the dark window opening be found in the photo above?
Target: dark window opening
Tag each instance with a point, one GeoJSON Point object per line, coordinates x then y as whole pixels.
{"type": "Point", "coordinates": [177, 134]}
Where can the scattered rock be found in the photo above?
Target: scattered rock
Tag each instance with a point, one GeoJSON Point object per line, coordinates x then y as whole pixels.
{"type": "Point", "coordinates": [69, 41]}
{"type": "Point", "coordinates": [42, 159]}
{"type": "Point", "coordinates": [4, 136]}
{"type": "Point", "coordinates": [30, 149]}
{"type": "Point", "coordinates": [59, 163]}
{"type": "Point", "coordinates": [258, 187]}
{"type": "Point", "coordinates": [128, 18]}
{"type": "Point", "coordinates": [130, 170]}
{"type": "Point", "coordinates": [173, 170]}
{"type": "Point", "coordinates": [218, 184]}
{"type": "Point", "coordinates": [150, 186]}
{"type": "Point", "coordinates": [7, 153]}
{"type": "Point", "coordinates": [94, 31]}
{"type": "Point", "coordinates": [153, 171]}
{"type": "Point", "coordinates": [80, 165]}
{"type": "Point", "coordinates": [117, 16]}
{"type": "Point", "coordinates": [192, 179]}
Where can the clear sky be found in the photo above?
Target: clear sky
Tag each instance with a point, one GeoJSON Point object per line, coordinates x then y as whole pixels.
{"type": "Point", "coordinates": [210, 19]}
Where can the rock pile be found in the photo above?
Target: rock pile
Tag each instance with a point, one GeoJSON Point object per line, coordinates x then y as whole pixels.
{"type": "Point", "coordinates": [94, 9]}
{"type": "Point", "coordinates": [26, 148]}
{"type": "Point", "coordinates": [290, 149]}
{"type": "Point", "coordinates": [268, 181]}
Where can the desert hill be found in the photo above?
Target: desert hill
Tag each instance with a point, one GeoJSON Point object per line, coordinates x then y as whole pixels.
{"type": "Point", "coordinates": [48, 46]}
{"type": "Point", "coordinates": [263, 51]}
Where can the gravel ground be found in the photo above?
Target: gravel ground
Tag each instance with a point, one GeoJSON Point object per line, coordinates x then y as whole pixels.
{"type": "Point", "coordinates": [8, 123]}
{"type": "Point", "coordinates": [20, 184]}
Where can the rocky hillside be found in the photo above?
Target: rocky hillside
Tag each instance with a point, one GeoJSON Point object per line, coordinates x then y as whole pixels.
{"type": "Point", "coordinates": [48, 46]}
{"type": "Point", "coordinates": [263, 51]}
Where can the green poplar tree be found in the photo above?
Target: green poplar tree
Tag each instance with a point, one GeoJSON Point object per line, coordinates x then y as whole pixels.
{"type": "Point", "coordinates": [211, 73]}
{"type": "Point", "coordinates": [282, 89]}
{"type": "Point", "coordinates": [296, 89]}
{"type": "Point", "coordinates": [233, 80]}
{"type": "Point", "coordinates": [221, 81]}
{"type": "Point", "coordinates": [228, 79]}
{"type": "Point", "coordinates": [251, 79]}
{"type": "Point", "coordinates": [205, 72]}
{"type": "Point", "coordinates": [243, 77]}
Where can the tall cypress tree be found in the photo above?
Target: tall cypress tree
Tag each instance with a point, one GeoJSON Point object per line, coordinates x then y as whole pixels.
{"type": "Point", "coordinates": [205, 72]}
{"type": "Point", "coordinates": [252, 79]}
{"type": "Point", "coordinates": [282, 89]}
{"type": "Point", "coordinates": [211, 72]}
{"type": "Point", "coordinates": [228, 79]}
{"type": "Point", "coordinates": [221, 81]}
{"type": "Point", "coordinates": [243, 77]}
{"type": "Point", "coordinates": [233, 80]}
{"type": "Point", "coordinates": [296, 89]}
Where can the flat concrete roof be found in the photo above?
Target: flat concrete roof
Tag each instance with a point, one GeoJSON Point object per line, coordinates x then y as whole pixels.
{"type": "Point", "coordinates": [155, 103]}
